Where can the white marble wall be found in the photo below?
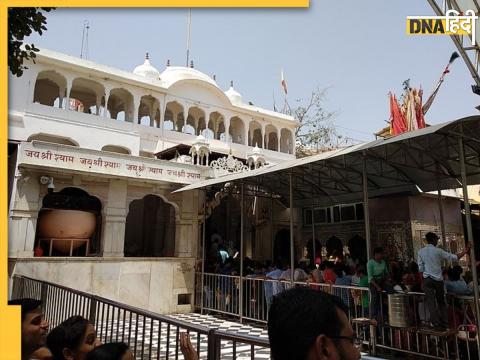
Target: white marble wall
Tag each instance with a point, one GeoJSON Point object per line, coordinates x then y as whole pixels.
{"type": "Point", "coordinates": [152, 284]}
{"type": "Point", "coordinates": [114, 219]}
{"type": "Point", "coordinates": [23, 216]}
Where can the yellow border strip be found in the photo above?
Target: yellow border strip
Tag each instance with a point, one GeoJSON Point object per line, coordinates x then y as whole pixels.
{"type": "Point", "coordinates": [166, 3]}
{"type": "Point", "coordinates": [10, 316]}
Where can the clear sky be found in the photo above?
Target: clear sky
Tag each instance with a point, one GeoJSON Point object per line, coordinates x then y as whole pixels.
{"type": "Point", "coordinates": [358, 49]}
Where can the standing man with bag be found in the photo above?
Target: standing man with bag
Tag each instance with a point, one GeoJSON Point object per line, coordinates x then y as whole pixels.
{"type": "Point", "coordinates": [430, 259]}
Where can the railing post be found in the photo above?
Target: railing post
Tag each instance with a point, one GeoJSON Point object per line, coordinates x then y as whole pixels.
{"type": "Point", "coordinates": [93, 310]}
{"type": "Point", "coordinates": [43, 295]}
{"type": "Point", "coordinates": [213, 352]}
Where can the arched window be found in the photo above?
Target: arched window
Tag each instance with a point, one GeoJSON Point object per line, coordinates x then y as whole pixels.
{"type": "Point", "coordinates": [148, 111]}
{"type": "Point", "coordinates": [195, 114]}
{"type": "Point", "coordinates": [255, 134]}
{"type": "Point", "coordinates": [69, 224]}
{"type": "Point", "coordinates": [86, 96]}
{"type": "Point", "coordinates": [286, 141]}
{"type": "Point", "coordinates": [216, 123]}
{"type": "Point", "coordinates": [116, 149]}
{"type": "Point", "coordinates": [53, 139]}
{"type": "Point", "coordinates": [271, 138]}
{"type": "Point", "coordinates": [173, 116]}
{"type": "Point", "coordinates": [120, 105]}
{"type": "Point", "coordinates": [50, 87]}
{"type": "Point", "coordinates": [237, 130]}
{"type": "Point", "coordinates": [150, 228]}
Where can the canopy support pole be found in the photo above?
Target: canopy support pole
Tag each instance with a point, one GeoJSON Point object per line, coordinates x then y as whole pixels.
{"type": "Point", "coordinates": [468, 221]}
{"type": "Point", "coordinates": [442, 214]}
{"type": "Point", "coordinates": [292, 257]}
{"type": "Point", "coordinates": [442, 221]}
{"type": "Point", "coordinates": [240, 305]}
{"type": "Point", "coordinates": [272, 235]}
{"type": "Point", "coordinates": [314, 246]}
{"type": "Point", "coordinates": [366, 214]}
{"type": "Point", "coordinates": [203, 251]}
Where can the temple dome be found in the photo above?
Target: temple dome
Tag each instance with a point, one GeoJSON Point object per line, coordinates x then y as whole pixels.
{"type": "Point", "coordinates": [173, 74]}
{"type": "Point", "coordinates": [233, 95]}
{"type": "Point", "coordinates": [147, 70]}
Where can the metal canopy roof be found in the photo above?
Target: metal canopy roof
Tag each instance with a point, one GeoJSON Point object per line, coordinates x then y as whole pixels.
{"type": "Point", "coordinates": [425, 159]}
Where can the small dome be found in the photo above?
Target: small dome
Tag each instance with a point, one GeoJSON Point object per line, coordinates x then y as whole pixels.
{"type": "Point", "coordinates": [233, 95]}
{"type": "Point", "coordinates": [172, 74]}
{"type": "Point", "coordinates": [147, 70]}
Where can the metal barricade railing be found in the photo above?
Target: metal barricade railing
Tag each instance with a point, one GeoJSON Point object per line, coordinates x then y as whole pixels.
{"type": "Point", "coordinates": [149, 335]}
{"type": "Point", "coordinates": [417, 339]}
{"type": "Point", "coordinates": [220, 294]}
{"type": "Point", "coordinates": [258, 292]}
{"type": "Point", "coordinates": [227, 344]}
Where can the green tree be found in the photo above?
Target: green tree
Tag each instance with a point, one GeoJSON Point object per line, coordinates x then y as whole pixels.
{"type": "Point", "coordinates": [316, 130]}
{"type": "Point", "coordinates": [22, 22]}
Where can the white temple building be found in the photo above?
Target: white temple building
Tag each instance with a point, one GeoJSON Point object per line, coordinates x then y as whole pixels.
{"type": "Point", "coordinates": [94, 155]}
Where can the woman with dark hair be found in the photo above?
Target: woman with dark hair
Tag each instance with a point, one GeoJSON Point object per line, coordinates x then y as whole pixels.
{"type": "Point", "coordinates": [111, 351]}
{"type": "Point", "coordinates": [72, 339]}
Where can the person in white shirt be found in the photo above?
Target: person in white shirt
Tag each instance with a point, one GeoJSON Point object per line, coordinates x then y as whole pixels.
{"type": "Point", "coordinates": [430, 259]}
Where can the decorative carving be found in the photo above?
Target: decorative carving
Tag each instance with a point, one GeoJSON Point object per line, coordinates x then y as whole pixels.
{"type": "Point", "coordinates": [229, 165]}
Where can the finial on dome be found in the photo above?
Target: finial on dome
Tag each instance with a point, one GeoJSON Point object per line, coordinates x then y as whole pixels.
{"type": "Point", "coordinates": [191, 64]}
{"type": "Point", "coordinates": [214, 77]}
{"type": "Point", "coordinates": [231, 83]}
{"type": "Point", "coordinates": [168, 62]}
{"type": "Point", "coordinates": [146, 55]}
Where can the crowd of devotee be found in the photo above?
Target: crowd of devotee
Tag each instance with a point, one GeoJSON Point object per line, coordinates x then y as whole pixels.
{"type": "Point", "coordinates": [435, 273]}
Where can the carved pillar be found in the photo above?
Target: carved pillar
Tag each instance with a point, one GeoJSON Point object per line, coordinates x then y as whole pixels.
{"type": "Point", "coordinates": [161, 122]}
{"type": "Point", "coordinates": [153, 112]}
{"type": "Point", "coordinates": [107, 96]}
{"type": "Point", "coordinates": [227, 128]}
{"type": "Point", "coordinates": [67, 99]}
{"type": "Point", "coordinates": [136, 107]}
{"type": "Point", "coordinates": [263, 135]}
{"type": "Point", "coordinates": [98, 103]}
{"type": "Point", "coordinates": [196, 119]}
{"type": "Point", "coordinates": [185, 116]}
{"type": "Point", "coordinates": [61, 96]}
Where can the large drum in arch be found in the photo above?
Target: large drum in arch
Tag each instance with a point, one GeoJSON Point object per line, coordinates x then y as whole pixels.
{"type": "Point", "coordinates": [66, 224]}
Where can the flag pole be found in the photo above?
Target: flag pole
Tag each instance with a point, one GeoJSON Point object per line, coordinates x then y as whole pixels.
{"type": "Point", "coordinates": [285, 91]}
{"type": "Point", "coordinates": [430, 99]}
{"type": "Point", "coordinates": [189, 27]}
{"type": "Point", "coordinates": [274, 104]}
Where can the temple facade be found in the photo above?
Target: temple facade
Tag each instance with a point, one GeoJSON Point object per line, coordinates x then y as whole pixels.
{"type": "Point", "coordinates": [95, 154]}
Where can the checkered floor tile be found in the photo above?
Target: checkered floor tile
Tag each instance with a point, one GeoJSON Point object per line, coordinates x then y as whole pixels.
{"type": "Point", "coordinates": [153, 340]}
